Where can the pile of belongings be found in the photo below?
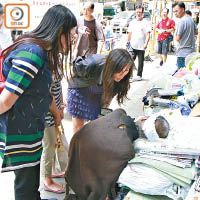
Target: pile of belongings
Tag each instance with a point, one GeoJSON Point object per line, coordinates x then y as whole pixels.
{"type": "Point", "coordinates": [168, 168]}
{"type": "Point", "coordinates": [175, 91]}
{"type": "Point", "coordinates": [165, 168]}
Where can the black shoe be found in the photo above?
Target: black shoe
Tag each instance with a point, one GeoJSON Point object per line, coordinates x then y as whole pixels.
{"type": "Point", "coordinates": [161, 62]}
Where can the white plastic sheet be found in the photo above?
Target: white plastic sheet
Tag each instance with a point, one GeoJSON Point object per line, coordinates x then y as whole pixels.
{"type": "Point", "coordinates": [145, 180]}
{"type": "Point", "coordinates": [183, 137]}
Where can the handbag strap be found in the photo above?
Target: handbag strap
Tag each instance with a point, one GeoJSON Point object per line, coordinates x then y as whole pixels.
{"type": "Point", "coordinates": [23, 39]}
{"type": "Point", "coordinates": [6, 49]}
{"type": "Point", "coordinates": [59, 132]}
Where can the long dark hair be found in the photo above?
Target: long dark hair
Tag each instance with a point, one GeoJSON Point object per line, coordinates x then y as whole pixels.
{"type": "Point", "coordinates": [57, 18]}
{"type": "Point", "coordinates": [115, 63]}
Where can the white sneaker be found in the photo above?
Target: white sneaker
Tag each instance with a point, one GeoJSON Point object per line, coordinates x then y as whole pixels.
{"type": "Point", "coordinates": [138, 78]}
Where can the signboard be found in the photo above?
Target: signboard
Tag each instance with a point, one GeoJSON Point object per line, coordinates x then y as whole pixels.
{"type": "Point", "coordinates": [27, 14]}
{"type": "Point", "coordinates": [17, 16]}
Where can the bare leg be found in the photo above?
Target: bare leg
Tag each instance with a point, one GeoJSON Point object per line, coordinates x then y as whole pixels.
{"type": "Point", "coordinates": [77, 124]}
{"type": "Point", "coordinates": [161, 59]}
{"type": "Point", "coordinates": [160, 56]}
{"type": "Point", "coordinates": [164, 58]}
{"type": "Point", "coordinates": [48, 143]}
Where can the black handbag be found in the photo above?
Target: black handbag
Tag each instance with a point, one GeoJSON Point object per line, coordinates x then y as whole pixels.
{"type": "Point", "coordinates": [130, 50]}
{"type": "Point", "coordinates": [87, 66]}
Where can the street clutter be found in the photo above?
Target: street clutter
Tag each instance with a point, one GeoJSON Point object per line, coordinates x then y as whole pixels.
{"type": "Point", "coordinates": [148, 149]}
{"type": "Point", "coordinates": [168, 168]}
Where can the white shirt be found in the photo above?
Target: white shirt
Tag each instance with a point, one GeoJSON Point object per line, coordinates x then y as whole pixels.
{"type": "Point", "coordinates": [139, 30]}
{"type": "Point", "coordinates": [5, 37]}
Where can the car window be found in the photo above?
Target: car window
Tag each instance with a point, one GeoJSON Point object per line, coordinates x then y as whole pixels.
{"type": "Point", "coordinates": [108, 12]}
{"type": "Point", "coordinates": [133, 16]}
{"type": "Point", "coordinates": [146, 14]}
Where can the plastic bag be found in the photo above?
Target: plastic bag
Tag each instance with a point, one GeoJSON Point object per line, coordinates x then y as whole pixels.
{"type": "Point", "coordinates": [184, 108]}
{"type": "Point", "coordinates": [192, 61]}
{"type": "Point", "coordinates": [165, 82]}
{"type": "Point", "coordinates": [190, 83]}
{"type": "Point", "coordinates": [193, 193]}
{"type": "Point", "coordinates": [181, 72]}
{"type": "Point", "coordinates": [143, 179]}
{"type": "Point", "coordinates": [61, 152]}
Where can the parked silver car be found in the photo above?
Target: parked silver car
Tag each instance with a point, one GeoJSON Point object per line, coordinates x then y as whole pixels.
{"type": "Point", "coordinates": [121, 21]}
{"type": "Point", "coordinates": [146, 16]}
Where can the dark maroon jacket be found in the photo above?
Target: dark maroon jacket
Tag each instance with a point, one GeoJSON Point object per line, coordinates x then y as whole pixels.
{"type": "Point", "coordinates": [98, 153]}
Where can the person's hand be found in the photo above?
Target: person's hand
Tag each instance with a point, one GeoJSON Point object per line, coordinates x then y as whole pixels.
{"type": "Point", "coordinates": [84, 30]}
{"type": "Point", "coordinates": [71, 73]}
{"type": "Point", "coordinates": [142, 118]}
{"type": "Point", "coordinates": [145, 46]}
{"type": "Point", "coordinates": [61, 113]}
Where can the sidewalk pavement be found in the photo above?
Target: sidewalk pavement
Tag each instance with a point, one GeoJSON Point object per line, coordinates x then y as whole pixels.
{"type": "Point", "coordinates": [133, 107]}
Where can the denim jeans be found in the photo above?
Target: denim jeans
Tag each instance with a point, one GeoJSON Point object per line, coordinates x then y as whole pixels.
{"type": "Point", "coordinates": [180, 62]}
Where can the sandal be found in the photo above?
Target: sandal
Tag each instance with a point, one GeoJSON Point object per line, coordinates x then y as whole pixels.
{"type": "Point", "coordinates": [59, 191]}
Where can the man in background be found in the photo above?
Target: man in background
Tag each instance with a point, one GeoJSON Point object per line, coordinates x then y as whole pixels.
{"type": "Point", "coordinates": [196, 18]}
{"type": "Point", "coordinates": [188, 13]}
{"type": "Point", "coordinates": [138, 37]}
{"type": "Point", "coordinates": [165, 27]}
{"type": "Point", "coordinates": [5, 35]}
{"type": "Point", "coordinates": [92, 41]}
{"type": "Point", "coordinates": [185, 34]}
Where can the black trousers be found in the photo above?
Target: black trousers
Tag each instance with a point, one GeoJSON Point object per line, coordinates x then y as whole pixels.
{"type": "Point", "coordinates": [140, 54]}
{"type": "Point", "coordinates": [26, 183]}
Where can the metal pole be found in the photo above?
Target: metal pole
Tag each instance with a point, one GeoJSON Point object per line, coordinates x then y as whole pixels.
{"type": "Point", "coordinates": [198, 40]}
{"type": "Point", "coordinates": [160, 7]}
{"type": "Point", "coordinates": [153, 25]}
